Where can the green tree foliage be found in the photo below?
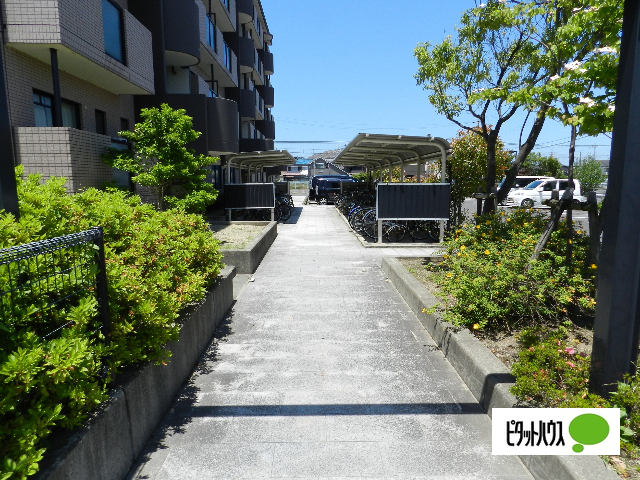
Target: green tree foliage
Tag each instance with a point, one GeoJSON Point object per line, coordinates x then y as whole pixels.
{"type": "Point", "coordinates": [470, 78]}
{"type": "Point", "coordinates": [538, 164]}
{"type": "Point", "coordinates": [548, 58]}
{"type": "Point", "coordinates": [157, 263]}
{"type": "Point", "coordinates": [467, 166]}
{"type": "Point", "coordinates": [586, 51]}
{"type": "Point", "coordinates": [161, 162]}
{"type": "Point", "coordinates": [590, 173]}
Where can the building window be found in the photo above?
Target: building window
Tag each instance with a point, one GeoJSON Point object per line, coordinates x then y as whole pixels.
{"type": "Point", "coordinates": [226, 4]}
{"type": "Point", "coordinates": [211, 33]}
{"type": "Point", "coordinates": [43, 107]}
{"type": "Point", "coordinates": [70, 114]}
{"type": "Point", "coordinates": [101, 122]}
{"type": "Point", "coordinates": [113, 26]}
{"type": "Point", "coordinates": [124, 124]}
{"type": "Point", "coordinates": [227, 58]}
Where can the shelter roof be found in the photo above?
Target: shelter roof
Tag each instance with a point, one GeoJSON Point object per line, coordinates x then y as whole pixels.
{"type": "Point", "coordinates": [262, 159]}
{"type": "Point", "coordinates": [378, 149]}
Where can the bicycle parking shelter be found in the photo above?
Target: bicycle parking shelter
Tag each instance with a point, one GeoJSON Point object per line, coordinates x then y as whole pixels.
{"type": "Point", "coordinates": [403, 200]}
{"type": "Point", "coordinates": [253, 195]}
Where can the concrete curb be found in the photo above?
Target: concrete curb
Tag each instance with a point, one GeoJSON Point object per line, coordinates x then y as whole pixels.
{"type": "Point", "coordinates": [108, 444]}
{"type": "Point", "coordinates": [246, 260]}
{"type": "Point", "coordinates": [487, 377]}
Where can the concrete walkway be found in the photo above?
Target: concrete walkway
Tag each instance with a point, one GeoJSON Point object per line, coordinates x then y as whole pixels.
{"type": "Point", "coordinates": [322, 371]}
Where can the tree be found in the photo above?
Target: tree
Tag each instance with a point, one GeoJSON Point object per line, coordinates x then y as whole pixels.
{"type": "Point", "coordinates": [538, 164]}
{"type": "Point", "coordinates": [590, 173]}
{"type": "Point", "coordinates": [466, 168]}
{"type": "Point", "coordinates": [512, 54]}
{"type": "Point", "coordinates": [475, 74]}
{"type": "Point", "coordinates": [161, 162]}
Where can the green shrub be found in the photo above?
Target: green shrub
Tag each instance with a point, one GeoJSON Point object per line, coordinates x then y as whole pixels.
{"type": "Point", "coordinates": [484, 272]}
{"type": "Point", "coordinates": [627, 398]}
{"type": "Point", "coordinates": [551, 373]}
{"type": "Point", "coordinates": [157, 263]}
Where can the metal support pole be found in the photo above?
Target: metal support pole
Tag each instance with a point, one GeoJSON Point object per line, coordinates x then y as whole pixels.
{"type": "Point", "coordinates": [401, 171]}
{"type": "Point", "coordinates": [8, 187]}
{"type": "Point", "coordinates": [379, 231]}
{"type": "Point", "coordinates": [230, 210]}
{"type": "Point", "coordinates": [419, 167]}
{"type": "Point", "coordinates": [617, 320]}
{"type": "Point", "coordinates": [57, 96]}
{"type": "Point", "coordinates": [272, 215]}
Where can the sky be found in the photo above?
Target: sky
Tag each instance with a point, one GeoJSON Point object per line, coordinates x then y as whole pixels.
{"type": "Point", "coordinates": [343, 67]}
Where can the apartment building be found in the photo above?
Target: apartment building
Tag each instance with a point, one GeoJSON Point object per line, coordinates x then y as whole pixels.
{"type": "Point", "coordinates": [79, 71]}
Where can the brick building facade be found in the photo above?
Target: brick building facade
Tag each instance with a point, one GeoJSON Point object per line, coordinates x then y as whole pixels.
{"type": "Point", "coordinates": [79, 71]}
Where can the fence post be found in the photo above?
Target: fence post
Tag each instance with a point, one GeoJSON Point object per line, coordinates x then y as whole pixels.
{"type": "Point", "coordinates": [101, 286]}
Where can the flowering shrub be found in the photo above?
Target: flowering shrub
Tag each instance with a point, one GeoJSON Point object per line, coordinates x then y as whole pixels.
{"type": "Point", "coordinates": [484, 273]}
{"type": "Point", "coordinates": [551, 373]}
{"type": "Point", "coordinates": [157, 263]}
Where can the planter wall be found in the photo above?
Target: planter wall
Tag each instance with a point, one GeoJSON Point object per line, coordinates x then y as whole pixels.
{"type": "Point", "coordinates": [246, 260]}
{"type": "Point", "coordinates": [106, 447]}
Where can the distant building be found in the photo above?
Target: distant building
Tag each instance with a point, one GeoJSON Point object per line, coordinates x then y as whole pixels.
{"type": "Point", "coordinates": [79, 71]}
{"type": "Point", "coordinates": [604, 164]}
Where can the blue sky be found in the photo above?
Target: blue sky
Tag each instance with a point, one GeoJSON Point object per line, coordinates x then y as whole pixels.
{"type": "Point", "coordinates": [346, 67]}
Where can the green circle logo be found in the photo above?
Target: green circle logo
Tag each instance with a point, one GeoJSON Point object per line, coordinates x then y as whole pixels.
{"type": "Point", "coordinates": [588, 429]}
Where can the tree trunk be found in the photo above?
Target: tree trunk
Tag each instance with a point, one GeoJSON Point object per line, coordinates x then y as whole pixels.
{"type": "Point", "coordinates": [523, 152]}
{"type": "Point", "coordinates": [552, 224]}
{"type": "Point", "coordinates": [572, 151]}
{"type": "Point", "coordinates": [490, 178]}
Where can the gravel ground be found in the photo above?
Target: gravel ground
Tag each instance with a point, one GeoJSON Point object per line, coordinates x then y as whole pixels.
{"type": "Point", "coordinates": [235, 236]}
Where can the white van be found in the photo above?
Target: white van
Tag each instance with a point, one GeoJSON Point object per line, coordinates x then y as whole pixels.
{"type": "Point", "coordinates": [522, 181]}
{"type": "Point", "coordinates": [539, 190]}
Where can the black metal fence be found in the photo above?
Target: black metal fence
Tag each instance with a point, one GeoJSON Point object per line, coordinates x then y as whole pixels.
{"type": "Point", "coordinates": [40, 282]}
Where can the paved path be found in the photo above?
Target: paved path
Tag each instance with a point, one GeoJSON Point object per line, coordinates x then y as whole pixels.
{"type": "Point", "coordinates": [322, 371]}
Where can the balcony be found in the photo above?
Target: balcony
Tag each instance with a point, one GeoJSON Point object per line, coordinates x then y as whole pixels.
{"type": "Point", "coordinates": [245, 10]}
{"type": "Point", "coordinates": [267, 94]}
{"type": "Point", "coordinates": [267, 128]}
{"type": "Point", "coordinates": [267, 60]}
{"type": "Point", "coordinates": [36, 26]}
{"type": "Point", "coordinates": [247, 104]}
{"type": "Point", "coordinates": [255, 145]}
{"type": "Point", "coordinates": [64, 152]}
{"type": "Point", "coordinates": [181, 33]}
{"type": "Point", "coordinates": [246, 54]}
{"type": "Point", "coordinates": [222, 126]}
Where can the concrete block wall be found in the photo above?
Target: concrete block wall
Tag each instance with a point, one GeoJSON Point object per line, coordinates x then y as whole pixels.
{"type": "Point", "coordinates": [64, 152]}
{"type": "Point", "coordinates": [77, 25]}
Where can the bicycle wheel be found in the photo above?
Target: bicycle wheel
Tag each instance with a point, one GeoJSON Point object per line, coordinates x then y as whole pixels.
{"type": "Point", "coordinates": [395, 233]}
{"type": "Point", "coordinates": [285, 212]}
{"type": "Point", "coordinates": [419, 230]}
{"type": "Point", "coordinates": [370, 224]}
